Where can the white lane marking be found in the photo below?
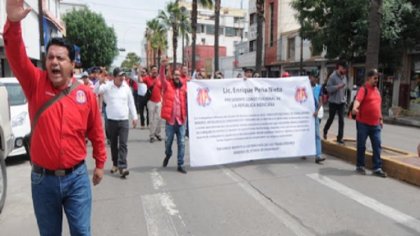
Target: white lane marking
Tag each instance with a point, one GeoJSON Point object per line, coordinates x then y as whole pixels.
{"type": "Point", "coordinates": [288, 221]}
{"type": "Point", "coordinates": [373, 204]}
{"type": "Point", "coordinates": [157, 179]}
{"type": "Point", "coordinates": [160, 209]}
{"type": "Point", "coordinates": [158, 221]}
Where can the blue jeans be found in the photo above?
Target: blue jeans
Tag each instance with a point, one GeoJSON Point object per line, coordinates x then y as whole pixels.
{"type": "Point", "coordinates": [374, 134]}
{"type": "Point", "coordinates": [317, 139]}
{"type": "Point", "coordinates": [52, 194]}
{"type": "Point", "coordinates": [170, 131]}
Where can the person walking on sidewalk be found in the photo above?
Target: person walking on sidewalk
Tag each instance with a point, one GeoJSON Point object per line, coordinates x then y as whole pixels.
{"type": "Point", "coordinates": [60, 179]}
{"type": "Point", "coordinates": [142, 100]}
{"type": "Point", "coordinates": [316, 88]}
{"type": "Point", "coordinates": [174, 112]}
{"type": "Point", "coordinates": [119, 104]}
{"type": "Point", "coordinates": [154, 105]}
{"type": "Point", "coordinates": [336, 88]}
{"type": "Point", "coordinates": [369, 123]}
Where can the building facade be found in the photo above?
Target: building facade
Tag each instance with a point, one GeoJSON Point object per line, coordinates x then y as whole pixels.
{"type": "Point", "coordinates": [50, 22]}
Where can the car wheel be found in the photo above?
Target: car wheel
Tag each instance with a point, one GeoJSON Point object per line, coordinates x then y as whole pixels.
{"type": "Point", "coordinates": [3, 183]}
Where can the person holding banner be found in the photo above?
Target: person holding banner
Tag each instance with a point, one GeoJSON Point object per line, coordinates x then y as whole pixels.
{"type": "Point", "coordinates": [316, 89]}
{"type": "Point", "coordinates": [174, 112]}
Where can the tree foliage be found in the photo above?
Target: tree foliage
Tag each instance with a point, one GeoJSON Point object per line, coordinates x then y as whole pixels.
{"type": "Point", "coordinates": [97, 41]}
{"type": "Point", "coordinates": [130, 60]}
{"type": "Point", "coordinates": [339, 27]}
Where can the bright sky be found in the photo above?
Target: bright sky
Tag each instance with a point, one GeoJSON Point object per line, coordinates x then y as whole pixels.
{"type": "Point", "coordinates": [129, 17]}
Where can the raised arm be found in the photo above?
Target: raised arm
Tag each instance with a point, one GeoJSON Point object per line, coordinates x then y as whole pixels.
{"type": "Point", "coordinates": [27, 74]}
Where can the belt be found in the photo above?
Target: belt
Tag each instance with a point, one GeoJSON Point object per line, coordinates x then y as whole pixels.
{"type": "Point", "coordinates": [62, 172]}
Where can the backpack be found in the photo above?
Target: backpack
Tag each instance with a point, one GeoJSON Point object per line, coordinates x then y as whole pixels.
{"type": "Point", "coordinates": [324, 93]}
{"type": "Point", "coordinates": [350, 114]}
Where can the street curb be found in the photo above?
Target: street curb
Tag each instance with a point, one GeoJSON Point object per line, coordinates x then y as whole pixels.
{"type": "Point", "coordinates": [395, 166]}
{"type": "Point", "coordinates": [403, 122]}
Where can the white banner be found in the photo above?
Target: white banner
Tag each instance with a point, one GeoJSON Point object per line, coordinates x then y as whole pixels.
{"type": "Point", "coordinates": [232, 120]}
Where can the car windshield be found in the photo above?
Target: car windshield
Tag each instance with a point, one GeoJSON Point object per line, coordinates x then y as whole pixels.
{"type": "Point", "coordinates": [16, 95]}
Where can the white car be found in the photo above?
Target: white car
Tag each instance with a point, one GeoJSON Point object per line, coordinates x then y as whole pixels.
{"type": "Point", "coordinates": [21, 125]}
{"type": "Point", "coordinates": [6, 141]}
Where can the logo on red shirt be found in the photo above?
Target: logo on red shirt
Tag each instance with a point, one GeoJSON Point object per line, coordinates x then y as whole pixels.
{"type": "Point", "coordinates": [81, 97]}
{"type": "Point", "coordinates": [203, 98]}
{"type": "Point", "coordinates": [301, 95]}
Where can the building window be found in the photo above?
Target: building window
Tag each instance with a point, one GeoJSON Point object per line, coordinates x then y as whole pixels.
{"type": "Point", "coordinates": [210, 29]}
{"type": "Point", "coordinates": [238, 19]}
{"type": "Point", "coordinates": [252, 18]}
{"type": "Point", "coordinates": [230, 32]}
{"type": "Point", "coordinates": [291, 48]}
{"type": "Point", "coordinates": [253, 45]}
{"type": "Point", "coordinates": [271, 24]}
{"type": "Point", "coordinates": [239, 32]}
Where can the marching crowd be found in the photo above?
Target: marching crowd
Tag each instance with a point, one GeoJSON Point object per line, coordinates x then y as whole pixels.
{"type": "Point", "coordinates": [64, 112]}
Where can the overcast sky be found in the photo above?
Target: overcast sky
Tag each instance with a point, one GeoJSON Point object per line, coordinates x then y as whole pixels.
{"type": "Point", "coordinates": [129, 17]}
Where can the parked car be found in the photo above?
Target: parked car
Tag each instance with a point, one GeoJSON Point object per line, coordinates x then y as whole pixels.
{"type": "Point", "coordinates": [21, 125]}
{"type": "Point", "coordinates": [6, 141]}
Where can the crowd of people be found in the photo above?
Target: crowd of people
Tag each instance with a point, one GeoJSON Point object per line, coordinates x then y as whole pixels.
{"type": "Point", "coordinates": [69, 111]}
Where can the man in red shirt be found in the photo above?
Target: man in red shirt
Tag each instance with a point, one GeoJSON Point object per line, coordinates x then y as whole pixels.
{"type": "Point", "coordinates": [154, 105]}
{"type": "Point", "coordinates": [59, 176]}
{"type": "Point", "coordinates": [174, 111]}
{"type": "Point", "coordinates": [367, 107]}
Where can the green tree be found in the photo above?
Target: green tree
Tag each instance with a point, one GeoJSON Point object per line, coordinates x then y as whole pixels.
{"type": "Point", "coordinates": [339, 27]}
{"type": "Point", "coordinates": [97, 41]}
{"type": "Point", "coordinates": [171, 18]}
{"type": "Point", "coordinates": [130, 60]}
{"type": "Point", "coordinates": [194, 13]}
{"type": "Point", "coordinates": [156, 36]}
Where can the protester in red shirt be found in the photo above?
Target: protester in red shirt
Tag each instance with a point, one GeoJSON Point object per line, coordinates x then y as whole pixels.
{"type": "Point", "coordinates": [367, 107]}
{"type": "Point", "coordinates": [154, 105]}
{"type": "Point", "coordinates": [59, 175]}
{"type": "Point", "coordinates": [174, 112]}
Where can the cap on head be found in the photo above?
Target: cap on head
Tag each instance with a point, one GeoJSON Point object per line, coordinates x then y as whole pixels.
{"type": "Point", "coordinates": [372, 72]}
{"type": "Point", "coordinates": [84, 75]}
{"type": "Point", "coordinates": [118, 72]}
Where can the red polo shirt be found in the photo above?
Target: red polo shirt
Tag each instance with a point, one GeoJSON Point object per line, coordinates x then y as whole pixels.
{"type": "Point", "coordinates": [156, 94]}
{"type": "Point", "coordinates": [58, 140]}
{"type": "Point", "coordinates": [370, 110]}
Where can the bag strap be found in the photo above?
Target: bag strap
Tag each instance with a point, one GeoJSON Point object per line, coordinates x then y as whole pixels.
{"type": "Point", "coordinates": [44, 107]}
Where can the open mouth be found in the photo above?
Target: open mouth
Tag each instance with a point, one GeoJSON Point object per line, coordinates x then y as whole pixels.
{"type": "Point", "coordinates": [56, 71]}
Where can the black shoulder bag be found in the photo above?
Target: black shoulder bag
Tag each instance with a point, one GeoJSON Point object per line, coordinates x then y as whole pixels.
{"type": "Point", "coordinates": [349, 112]}
{"type": "Point", "coordinates": [27, 138]}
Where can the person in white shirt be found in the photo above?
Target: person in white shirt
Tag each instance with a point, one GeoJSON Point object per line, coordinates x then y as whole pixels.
{"type": "Point", "coordinates": [119, 104]}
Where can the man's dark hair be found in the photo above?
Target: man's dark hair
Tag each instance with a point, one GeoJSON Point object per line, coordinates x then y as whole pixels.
{"type": "Point", "coordinates": [153, 66]}
{"type": "Point", "coordinates": [63, 43]}
{"type": "Point", "coordinates": [341, 63]}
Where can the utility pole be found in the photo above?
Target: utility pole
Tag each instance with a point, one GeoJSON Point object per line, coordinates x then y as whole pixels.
{"type": "Point", "coordinates": [41, 33]}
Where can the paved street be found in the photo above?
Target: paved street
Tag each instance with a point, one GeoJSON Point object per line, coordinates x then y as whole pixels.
{"type": "Point", "coordinates": [270, 197]}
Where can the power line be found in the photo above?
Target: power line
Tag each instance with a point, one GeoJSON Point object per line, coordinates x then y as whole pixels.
{"type": "Point", "coordinates": [125, 8]}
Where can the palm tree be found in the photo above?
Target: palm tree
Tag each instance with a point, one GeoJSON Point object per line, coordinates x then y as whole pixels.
{"type": "Point", "coordinates": [156, 37]}
{"type": "Point", "coordinates": [194, 13]}
{"type": "Point", "coordinates": [260, 19]}
{"type": "Point", "coordinates": [374, 34]}
{"type": "Point", "coordinates": [184, 29]}
{"type": "Point", "coordinates": [216, 34]}
{"type": "Point", "coordinates": [172, 18]}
